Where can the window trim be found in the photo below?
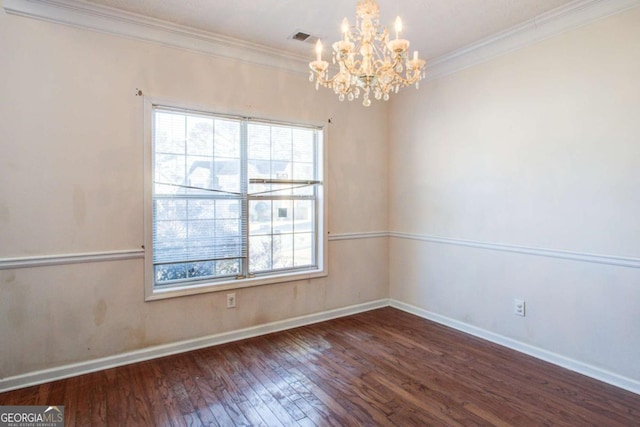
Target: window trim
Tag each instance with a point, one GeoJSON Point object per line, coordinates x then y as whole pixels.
{"type": "Point", "coordinates": [153, 293]}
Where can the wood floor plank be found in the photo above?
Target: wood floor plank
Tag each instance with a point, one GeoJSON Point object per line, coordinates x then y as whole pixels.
{"type": "Point", "coordinates": [379, 368]}
{"type": "Point", "coordinates": [214, 389]}
{"type": "Point", "coordinates": [204, 400]}
{"type": "Point", "coordinates": [268, 414]}
{"type": "Point", "coordinates": [170, 368]}
{"type": "Point", "coordinates": [328, 408]}
{"type": "Point", "coordinates": [277, 385]}
{"type": "Point", "coordinates": [261, 386]}
{"type": "Point", "coordinates": [529, 400]}
{"type": "Point", "coordinates": [361, 401]}
{"type": "Point", "coordinates": [56, 395]}
{"type": "Point", "coordinates": [395, 368]}
{"type": "Point", "coordinates": [96, 394]}
{"type": "Point", "coordinates": [166, 402]}
{"type": "Point", "coordinates": [232, 394]}
{"type": "Point", "coordinates": [129, 399]}
{"type": "Point", "coordinates": [79, 408]}
{"type": "Point", "coordinates": [308, 402]}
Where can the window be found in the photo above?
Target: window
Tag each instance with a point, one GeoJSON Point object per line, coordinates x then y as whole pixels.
{"type": "Point", "coordinates": [232, 202]}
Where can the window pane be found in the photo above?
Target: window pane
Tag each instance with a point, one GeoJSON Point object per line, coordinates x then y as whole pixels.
{"type": "Point", "coordinates": [304, 215]}
{"type": "Point", "coordinates": [200, 136]}
{"type": "Point", "coordinates": [260, 217]}
{"type": "Point", "coordinates": [169, 133]}
{"type": "Point", "coordinates": [282, 216]}
{"type": "Point", "coordinates": [228, 209]}
{"type": "Point", "coordinates": [190, 229]}
{"type": "Point", "coordinates": [229, 267]}
{"type": "Point", "coordinates": [281, 144]}
{"type": "Point", "coordinates": [303, 171]}
{"type": "Point", "coordinates": [199, 175]}
{"type": "Point", "coordinates": [194, 154]}
{"type": "Point", "coordinates": [259, 142]}
{"type": "Point", "coordinates": [303, 249]}
{"type": "Point", "coordinates": [166, 209]}
{"type": "Point", "coordinates": [168, 273]}
{"type": "Point", "coordinates": [303, 145]}
{"type": "Point", "coordinates": [201, 208]}
{"type": "Point", "coordinates": [201, 269]}
{"type": "Point", "coordinates": [282, 251]}
{"type": "Point", "coordinates": [169, 173]}
{"type": "Point", "coordinates": [259, 253]}
{"type": "Point", "coordinates": [227, 138]}
{"type": "Point", "coordinates": [227, 175]}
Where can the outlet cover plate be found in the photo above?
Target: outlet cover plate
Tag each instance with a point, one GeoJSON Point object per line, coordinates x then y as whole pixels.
{"type": "Point", "coordinates": [231, 300]}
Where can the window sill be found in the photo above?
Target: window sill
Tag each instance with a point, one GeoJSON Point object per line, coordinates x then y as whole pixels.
{"type": "Point", "coordinates": [184, 290]}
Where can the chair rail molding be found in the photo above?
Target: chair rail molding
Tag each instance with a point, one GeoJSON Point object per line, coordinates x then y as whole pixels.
{"type": "Point", "coordinates": [62, 259]}
{"type": "Point", "coordinates": [619, 261]}
{"type": "Point", "coordinates": [87, 257]}
{"type": "Point", "coordinates": [359, 235]}
{"type": "Point", "coordinates": [127, 254]}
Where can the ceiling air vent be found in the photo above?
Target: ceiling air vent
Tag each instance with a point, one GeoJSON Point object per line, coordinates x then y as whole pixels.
{"type": "Point", "coordinates": [304, 37]}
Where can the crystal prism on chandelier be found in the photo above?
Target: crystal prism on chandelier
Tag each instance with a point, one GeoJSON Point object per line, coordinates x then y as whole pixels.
{"type": "Point", "coordinates": [369, 62]}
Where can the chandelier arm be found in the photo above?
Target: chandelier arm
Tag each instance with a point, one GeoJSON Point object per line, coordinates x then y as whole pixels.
{"type": "Point", "coordinates": [330, 83]}
{"type": "Point", "coordinates": [325, 82]}
{"type": "Point", "coordinates": [354, 69]}
{"type": "Point", "coordinates": [406, 82]}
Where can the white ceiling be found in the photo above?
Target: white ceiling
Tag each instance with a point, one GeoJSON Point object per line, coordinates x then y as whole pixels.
{"type": "Point", "coordinates": [434, 27]}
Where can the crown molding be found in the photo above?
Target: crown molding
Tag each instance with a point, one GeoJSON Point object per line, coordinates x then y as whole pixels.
{"type": "Point", "coordinates": [543, 26]}
{"type": "Point", "coordinates": [104, 19]}
{"type": "Point", "coordinates": [80, 14]}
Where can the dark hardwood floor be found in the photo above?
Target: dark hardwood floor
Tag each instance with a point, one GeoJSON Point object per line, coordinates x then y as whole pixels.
{"type": "Point", "coordinates": [383, 367]}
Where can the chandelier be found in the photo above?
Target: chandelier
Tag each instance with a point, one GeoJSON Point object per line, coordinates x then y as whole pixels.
{"type": "Point", "coordinates": [369, 62]}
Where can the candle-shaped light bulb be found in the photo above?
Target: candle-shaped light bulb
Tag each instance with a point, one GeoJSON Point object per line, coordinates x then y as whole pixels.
{"type": "Point", "coordinates": [415, 55]}
{"type": "Point", "coordinates": [398, 26]}
{"type": "Point", "coordinates": [345, 29]}
{"type": "Point", "coordinates": [319, 50]}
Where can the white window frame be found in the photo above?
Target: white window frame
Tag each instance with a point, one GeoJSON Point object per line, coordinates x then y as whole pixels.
{"type": "Point", "coordinates": [202, 286]}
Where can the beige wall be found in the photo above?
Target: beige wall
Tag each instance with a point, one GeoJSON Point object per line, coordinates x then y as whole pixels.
{"type": "Point", "coordinates": [72, 183]}
{"type": "Point", "coordinates": [538, 148]}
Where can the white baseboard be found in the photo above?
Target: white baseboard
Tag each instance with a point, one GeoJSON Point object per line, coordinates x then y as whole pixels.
{"type": "Point", "coordinates": [556, 359]}
{"type": "Point", "coordinates": [66, 371]}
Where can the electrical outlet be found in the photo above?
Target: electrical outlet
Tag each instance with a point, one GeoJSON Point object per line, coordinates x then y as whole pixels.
{"type": "Point", "coordinates": [231, 300]}
{"type": "Point", "coordinates": [518, 307]}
